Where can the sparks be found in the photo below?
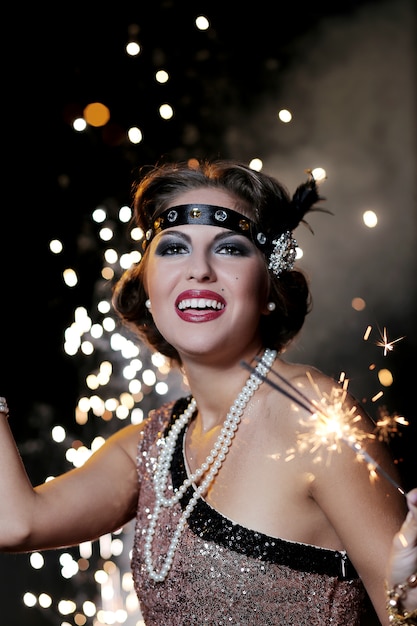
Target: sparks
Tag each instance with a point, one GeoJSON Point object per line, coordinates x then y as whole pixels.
{"type": "Point", "coordinates": [367, 333]}
{"type": "Point", "coordinates": [332, 422]}
{"type": "Point", "coordinates": [384, 343]}
{"type": "Point", "coordinates": [387, 425]}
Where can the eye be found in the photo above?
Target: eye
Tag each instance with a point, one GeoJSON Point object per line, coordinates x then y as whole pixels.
{"type": "Point", "coordinates": [233, 248]}
{"type": "Point", "coordinates": [171, 248]}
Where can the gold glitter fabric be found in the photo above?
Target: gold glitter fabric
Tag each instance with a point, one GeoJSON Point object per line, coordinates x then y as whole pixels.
{"type": "Point", "coordinates": [224, 574]}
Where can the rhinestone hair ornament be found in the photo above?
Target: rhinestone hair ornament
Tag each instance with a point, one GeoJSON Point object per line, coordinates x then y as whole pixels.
{"type": "Point", "coordinates": [279, 247]}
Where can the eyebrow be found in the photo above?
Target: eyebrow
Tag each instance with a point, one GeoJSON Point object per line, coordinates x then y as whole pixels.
{"type": "Point", "coordinates": [219, 237]}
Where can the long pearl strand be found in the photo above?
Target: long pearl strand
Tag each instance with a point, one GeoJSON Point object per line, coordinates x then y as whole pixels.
{"type": "Point", "coordinates": [211, 465]}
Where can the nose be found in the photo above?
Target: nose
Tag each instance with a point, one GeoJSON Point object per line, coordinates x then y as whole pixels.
{"type": "Point", "coordinates": [200, 268]}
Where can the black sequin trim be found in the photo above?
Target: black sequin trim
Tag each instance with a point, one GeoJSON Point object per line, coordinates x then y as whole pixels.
{"type": "Point", "coordinates": [210, 525]}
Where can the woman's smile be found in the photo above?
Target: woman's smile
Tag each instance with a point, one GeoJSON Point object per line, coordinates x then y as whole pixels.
{"type": "Point", "coordinates": [199, 305]}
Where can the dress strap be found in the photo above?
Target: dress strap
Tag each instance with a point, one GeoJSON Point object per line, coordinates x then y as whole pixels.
{"type": "Point", "coordinates": [210, 525]}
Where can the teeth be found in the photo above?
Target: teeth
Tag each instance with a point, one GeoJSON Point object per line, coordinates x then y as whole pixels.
{"type": "Point", "coordinates": [200, 303]}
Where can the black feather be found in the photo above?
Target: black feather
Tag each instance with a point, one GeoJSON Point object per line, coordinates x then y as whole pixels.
{"type": "Point", "coordinates": [305, 197]}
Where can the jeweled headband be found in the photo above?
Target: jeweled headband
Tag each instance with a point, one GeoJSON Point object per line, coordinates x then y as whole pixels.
{"type": "Point", "coordinates": [277, 243]}
{"type": "Point", "coordinates": [280, 252]}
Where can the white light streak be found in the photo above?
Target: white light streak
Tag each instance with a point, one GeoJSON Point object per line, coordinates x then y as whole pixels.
{"type": "Point", "coordinates": [106, 233]}
{"type": "Point", "coordinates": [70, 277]}
{"type": "Point", "coordinates": [99, 215]}
{"type": "Point", "coordinates": [166, 111]}
{"type": "Point", "coordinates": [56, 246]}
{"type": "Point", "coordinates": [125, 213]}
{"type": "Point", "coordinates": [135, 135]}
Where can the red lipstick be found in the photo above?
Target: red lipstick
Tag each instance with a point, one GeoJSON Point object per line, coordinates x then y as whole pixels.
{"type": "Point", "coordinates": [199, 305]}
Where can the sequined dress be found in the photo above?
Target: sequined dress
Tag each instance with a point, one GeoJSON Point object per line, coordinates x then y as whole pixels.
{"type": "Point", "coordinates": [225, 574]}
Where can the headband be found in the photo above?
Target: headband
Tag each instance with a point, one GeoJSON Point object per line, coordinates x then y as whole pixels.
{"type": "Point", "coordinates": [279, 252]}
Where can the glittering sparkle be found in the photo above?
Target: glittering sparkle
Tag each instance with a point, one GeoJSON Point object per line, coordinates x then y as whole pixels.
{"type": "Point", "coordinates": [387, 425]}
{"type": "Point", "coordinates": [332, 422]}
{"type": "Point", "coordinates": [385, 343]}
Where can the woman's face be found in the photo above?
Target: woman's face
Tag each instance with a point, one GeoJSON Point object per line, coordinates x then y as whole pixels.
{"type": "Point", "coordinates": [207, 285]}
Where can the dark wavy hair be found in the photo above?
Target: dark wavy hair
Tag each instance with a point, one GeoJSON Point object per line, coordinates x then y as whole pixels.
{"type": "Point", "coordinates": [260, 196]}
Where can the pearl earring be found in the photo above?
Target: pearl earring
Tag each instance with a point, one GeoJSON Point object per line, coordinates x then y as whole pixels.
{"type": "Point", "coordinates": [148, 304]}
{"type": "Point", "coordinates": [271, 306]}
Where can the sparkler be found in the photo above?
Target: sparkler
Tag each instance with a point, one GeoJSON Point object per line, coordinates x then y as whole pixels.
{"type": "Point", "coordinates": [333, 422]}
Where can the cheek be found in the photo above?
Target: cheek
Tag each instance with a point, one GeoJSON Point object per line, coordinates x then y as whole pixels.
{"type": "Point", "coordinates": [254, 288]}
{"type": "Point", "coordinates": [260, 283]}
{"type": "Point", "coordinates": [152, 278]}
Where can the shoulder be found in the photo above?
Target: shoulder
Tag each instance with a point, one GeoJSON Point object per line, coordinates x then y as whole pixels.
{"type": "Point", "coordinates": [332, 428]}
{"type": "Point", "coordinates": [314, 391]}
{"type": "Point", "coordinates": [309, 378]}
{"type": "Point", "coordinates": [129, 437]}
{"type": "Point", "coordinates": [303, 386]}
{"type": "Point", "coordinates": [317, 413]}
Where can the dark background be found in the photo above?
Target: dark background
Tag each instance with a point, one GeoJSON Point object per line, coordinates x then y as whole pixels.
{"type": "Point", "coordinates": [347, 73]}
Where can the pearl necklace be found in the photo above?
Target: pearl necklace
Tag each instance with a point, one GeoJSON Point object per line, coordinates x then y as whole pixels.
{"type": "Point", "coordinates": [211, 465]}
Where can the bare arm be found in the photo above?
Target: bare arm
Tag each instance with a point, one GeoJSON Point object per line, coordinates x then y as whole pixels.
{"type": "Point", "coordinates": [366, 514]}
{"type": "Point", "coordinates": [402, 564]}
{"type": "Point", "coordinates": [364, 508]}
{"type": "Point", "coordinates": [79, 505]}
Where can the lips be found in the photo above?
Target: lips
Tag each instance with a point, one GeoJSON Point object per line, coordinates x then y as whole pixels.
{"type": "Point", "coordinates": [199, 305]}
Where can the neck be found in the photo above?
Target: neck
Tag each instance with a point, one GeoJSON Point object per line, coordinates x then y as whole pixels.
{"type": "Point", "coordinates": [215, 386]}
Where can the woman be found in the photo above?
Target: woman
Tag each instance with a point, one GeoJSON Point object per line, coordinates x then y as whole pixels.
{"type": "Point", "coordinates": [235, 522]}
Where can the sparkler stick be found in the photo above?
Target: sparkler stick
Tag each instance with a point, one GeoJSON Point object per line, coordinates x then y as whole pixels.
{"type": "Point", "coordinates": [356, 447]}
{"type": "Point", "coordinates": [295, 394]}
